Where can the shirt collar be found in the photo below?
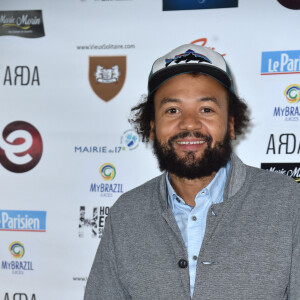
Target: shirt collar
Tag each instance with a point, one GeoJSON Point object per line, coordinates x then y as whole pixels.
{"type": "Point", "coordinates": [215, 188]}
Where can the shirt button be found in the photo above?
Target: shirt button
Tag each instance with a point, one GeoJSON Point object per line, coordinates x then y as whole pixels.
{"type": "Point", "coordinates": [178, 200]}
{"type": "Point", "coordinates": [195, 257]}
{"type": "Point", "coordinates": [194, 218]}
{"type": "Point", "coordinates": [182, 263]}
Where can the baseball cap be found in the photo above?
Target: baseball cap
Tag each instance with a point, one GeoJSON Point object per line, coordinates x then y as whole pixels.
{"type": "Point", "coordinates": [186, 59]}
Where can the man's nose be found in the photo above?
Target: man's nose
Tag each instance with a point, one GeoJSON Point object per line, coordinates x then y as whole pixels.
{"type": "Point", "coordinates": [190, 121]}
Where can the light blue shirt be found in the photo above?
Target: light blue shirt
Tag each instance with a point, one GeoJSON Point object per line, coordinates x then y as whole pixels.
{"type": "Point", "coordinates": [192, 220]}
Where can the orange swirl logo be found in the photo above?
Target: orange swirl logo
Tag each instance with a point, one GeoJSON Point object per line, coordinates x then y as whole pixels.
{"type": "Point", "coordinates": [16, 249]}
{"type": "Point", "coordinates": [107, 171]}
{"type": "Point", "coordinates": [292, 93]}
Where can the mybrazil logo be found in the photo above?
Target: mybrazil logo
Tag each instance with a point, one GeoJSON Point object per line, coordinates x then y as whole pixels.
{"type": "Point", "coordinates": [280, 62]}
{"type": "Point", "coordinates": [17, 249]}
{"type": "Point", "coordinates": [23, 220]}
{"type": "Point", "coordinates": [291, 111]}
{"type": "Point", "coordinates": [21, 147]}
{"type": "Point", "coordinates": [107, 171]}
{"type": "Point", "coordinates": [17, 266]}
{"type": "Point", "coordinates": [292, 93]}
{"type": "Point", "coordinates": [197, 4]}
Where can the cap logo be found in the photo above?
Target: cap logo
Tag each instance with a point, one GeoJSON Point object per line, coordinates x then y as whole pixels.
{"type": "Point", "coordinates": [189, 55]}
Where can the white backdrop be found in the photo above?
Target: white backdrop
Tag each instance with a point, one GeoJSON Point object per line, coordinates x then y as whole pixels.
{"type": "Point", "coordinates": [60, 103]}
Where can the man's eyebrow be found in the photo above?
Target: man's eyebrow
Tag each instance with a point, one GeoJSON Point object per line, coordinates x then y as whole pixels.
{"type": "Point", "coordinates": [169, 100]}
{"type": "Point", "coordinates": [176, 100]}
{"type": "Point", "coordinates": [213, 99]}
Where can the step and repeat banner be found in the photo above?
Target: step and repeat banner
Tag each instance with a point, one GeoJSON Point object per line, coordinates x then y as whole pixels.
{"type": "Point", "coordinates": [69, 73]}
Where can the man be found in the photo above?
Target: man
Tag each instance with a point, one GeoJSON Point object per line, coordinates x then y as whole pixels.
{"type": "Point", "coordinates": [210, 227]}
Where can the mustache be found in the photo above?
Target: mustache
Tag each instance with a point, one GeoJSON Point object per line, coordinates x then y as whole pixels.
{"type": "Point", "coordinates": [207, 138]}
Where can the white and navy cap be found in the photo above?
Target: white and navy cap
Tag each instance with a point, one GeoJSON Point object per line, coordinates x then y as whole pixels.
{"type": "Point", "coordinates": [186, 59]}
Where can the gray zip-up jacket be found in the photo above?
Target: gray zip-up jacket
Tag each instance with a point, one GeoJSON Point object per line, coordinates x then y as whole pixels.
{"type": "Point", "coordinates": [251, 248]}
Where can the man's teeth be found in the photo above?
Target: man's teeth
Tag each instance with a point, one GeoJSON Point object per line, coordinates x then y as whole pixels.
{"type": "Point", "coordinates": [191, 143]}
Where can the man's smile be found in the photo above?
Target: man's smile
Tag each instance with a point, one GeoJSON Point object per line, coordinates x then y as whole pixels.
{"type": "Point", "coordinates": [190, 142]}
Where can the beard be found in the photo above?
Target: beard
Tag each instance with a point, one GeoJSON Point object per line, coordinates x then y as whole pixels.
{"type": "Point", "coordinates": [190, 167]}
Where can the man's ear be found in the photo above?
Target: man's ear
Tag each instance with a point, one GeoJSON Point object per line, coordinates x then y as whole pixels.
{"type": "Point", "coordinates": [231, 128]}
{"type": "Point", "coordinates": [152, 130]}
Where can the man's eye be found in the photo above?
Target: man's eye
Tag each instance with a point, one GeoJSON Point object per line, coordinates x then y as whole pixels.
{"type": "Point", "coordinates": [206, 110]}
{"type": "Point", "coordinates": [172, 110]}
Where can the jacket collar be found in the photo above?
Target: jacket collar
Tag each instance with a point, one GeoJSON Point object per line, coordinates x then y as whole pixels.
{"type": "Point", "coordinates": [235, 180]}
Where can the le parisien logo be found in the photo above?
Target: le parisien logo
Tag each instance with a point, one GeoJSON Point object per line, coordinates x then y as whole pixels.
{"type": "Point", "coordinates": [21, 147]}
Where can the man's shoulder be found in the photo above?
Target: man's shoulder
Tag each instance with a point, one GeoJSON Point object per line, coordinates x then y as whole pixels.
{"type": "Point", "coordinates": [260, 176]}
{"type": "Point", "coordinates": [273, 186]}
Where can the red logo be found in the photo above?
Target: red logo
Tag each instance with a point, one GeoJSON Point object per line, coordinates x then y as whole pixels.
{"type": "Point", "coordinates": [202, 42]}
{"type": "Point", "coordinates": [291, 4]}
{"type": "Point", "coordinates": [21, 147]}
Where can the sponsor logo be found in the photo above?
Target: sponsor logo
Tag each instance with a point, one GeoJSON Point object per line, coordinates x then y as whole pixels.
{"type": "Point", "coordinates": [129, 141]}
{"type": "Point", "coordinates": [188, 56]}
{"type": "Point", "coordinates": [291, 4]}
{"type": "Point", "coordinates": [17, 249]}
{"type": "Point", "coordinates": [21, 147]}
{"type": "Point", "coordinates": [94, 223]}
{"type": "Point", "coordinates": [108, 173]}
{"type": "Point", "coordinates": [107, 75]}
{"type": "Point", "coordinates": [285, 143]}
{"type": "Point", "coordinates": [292, 93]}
{"type": "Point", "coordinates": [22, 23]}
{"type": "Point", "coordinates": [202, 42]}
{"type": "Point", "coordinates": [106, 46]}
{"type": "Point", "coordinates": [280, 62]}
{"type": "Point", "coordinates": [289, 169]}
{"type": "Point", "coordinates": [289, 113]}
{"type": "Point", "coordinates": [18, 266]}
{"type": "Point", "coordinates": [23, 220]}
{"type": "Point", "coordinates": [19, 296]}
{"type": "Point", "coordinates": [105, 0]}
{"type": "Point", "coordinates": [197, 4]}
{"type": "Point", "coordinates": [21, 76]}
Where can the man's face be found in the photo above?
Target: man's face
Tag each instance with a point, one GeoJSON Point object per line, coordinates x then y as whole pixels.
{"type": "Point", "coordinates": [191, 132]}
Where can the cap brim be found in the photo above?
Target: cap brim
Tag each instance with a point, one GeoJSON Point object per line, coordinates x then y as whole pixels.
{"type": "Point", "coordinates": [162, 75]}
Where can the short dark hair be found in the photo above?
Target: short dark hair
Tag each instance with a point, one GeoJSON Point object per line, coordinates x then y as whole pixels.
{"type": "Point", "coordinates": [143, 113]}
